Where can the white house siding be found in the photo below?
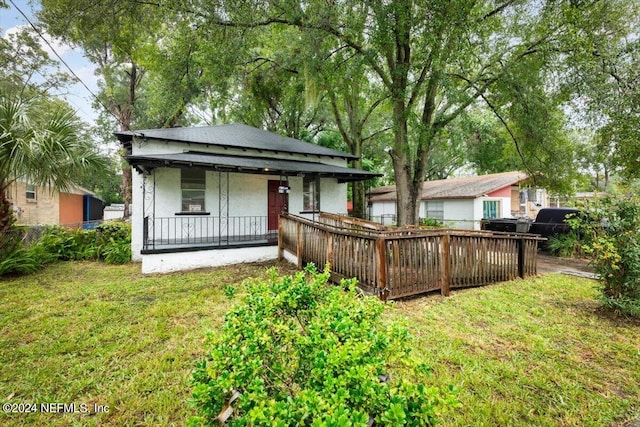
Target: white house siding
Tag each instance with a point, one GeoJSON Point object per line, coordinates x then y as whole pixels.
{"type": "Point", "coordinates": [137, 216]}
{"type": "Point", "coordinates": [462, 214]}
{"type": "Point", "coordinates": [177, 261]}
{"type": "Point", "coordinates": [459, 214]}
{"type": "Point", "coordinates": [114, 211]}
{"type": "Point", "coordinates": [295, 195]}
{"type": "Point", "coordinates": [333, 196]}
{"type": "Point", "coordinates": [248, 196]}
{"type": "Point", "coordinates": [382, 209]}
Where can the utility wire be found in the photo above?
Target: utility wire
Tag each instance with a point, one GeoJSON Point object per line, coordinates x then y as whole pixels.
{"type": "Point", "coordinates": [64, 62]}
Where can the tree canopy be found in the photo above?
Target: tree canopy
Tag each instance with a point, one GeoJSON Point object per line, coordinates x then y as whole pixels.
{"type": "Point", "coordinates": [428, 85]}
{"type": "Point", "coordinates": [42, 141]}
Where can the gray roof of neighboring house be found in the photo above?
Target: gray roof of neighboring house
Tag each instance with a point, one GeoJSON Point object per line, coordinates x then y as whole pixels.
{"type": "Point", "coordinates": [242, 164]}
{"type": "Point", "coordinates": [233, 136]}
{"type": "Point", "coordinates": [468, 187]}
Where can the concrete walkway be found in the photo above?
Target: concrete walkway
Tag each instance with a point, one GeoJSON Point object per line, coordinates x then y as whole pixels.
{"type": "Point", "coordinates": [574, 267]}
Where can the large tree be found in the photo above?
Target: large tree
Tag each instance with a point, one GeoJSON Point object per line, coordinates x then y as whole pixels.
{"type": "Point", "coordinates": [606, 82]}
{"type": "Point", "coordinates": [434, 60]}
{"type": "Point", "coordinates": [431, 61]}
{"type": "Point", "coordinates": [356, 104]}
{"type": "Point", "coordinates": [123, 39]}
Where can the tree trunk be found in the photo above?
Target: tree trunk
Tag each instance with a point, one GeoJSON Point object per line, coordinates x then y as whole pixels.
{"type": "Point", "coordinates": [7, 218]}
{"type": "Point", "coordinates": [358, 194]}
{"type": "Point", "coordinates": [406, 195]}
{"type": "Point", "coordinates": [359, 200]}
{"type": "Point", "coordinates": [8, 242]}
{"type": "Point", "coordinates": [357, 189]}
{"type": "Point", "coordinates": [407, 198]}
{"type": "Point", "coordinates": [127, 183]}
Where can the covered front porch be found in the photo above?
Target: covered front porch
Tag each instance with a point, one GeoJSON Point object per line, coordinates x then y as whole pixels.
{"type": "Point", "coordinates": [235, 218]}
{"type": "Point", "coordinates": [197, 233]}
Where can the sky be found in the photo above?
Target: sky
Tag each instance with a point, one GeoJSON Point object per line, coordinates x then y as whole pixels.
{"type": "Point", "coordinates": [77, 95]}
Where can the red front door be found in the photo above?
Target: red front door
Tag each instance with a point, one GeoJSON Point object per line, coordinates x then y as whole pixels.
{"type": "Point", "coordinates": [278, 202]}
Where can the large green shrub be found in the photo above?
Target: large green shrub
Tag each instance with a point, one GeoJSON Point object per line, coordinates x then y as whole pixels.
{"type": "Point", "coordinates": [615, 251]}
{"type": "Point", "coordinates": [565, 245]}
{"type": "Point", "coordinates": [109, 242]}
{"type": "Point", "coordinates": [113, 242]}
{"type": "Point", "coordinates": [21, 261]}
{"type": "Point", "coordinates": [66, 245]}
{"type": "Point", "coordinates": [300, 352]}
{"type": "Point", "coordinates": [10, 240]}
{"type": "Point", "coordinates": [18, 255]}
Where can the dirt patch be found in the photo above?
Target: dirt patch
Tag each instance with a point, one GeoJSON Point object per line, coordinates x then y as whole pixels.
{"type": "Point", "coordinates": [571, 266]}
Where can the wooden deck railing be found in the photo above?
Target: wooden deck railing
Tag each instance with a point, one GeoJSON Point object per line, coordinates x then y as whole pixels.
{"type": "Point", "coordinates": [395, 263]}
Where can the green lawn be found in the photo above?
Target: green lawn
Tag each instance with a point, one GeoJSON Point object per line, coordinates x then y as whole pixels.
{"type": "Point", "coordinates": [534, 352]}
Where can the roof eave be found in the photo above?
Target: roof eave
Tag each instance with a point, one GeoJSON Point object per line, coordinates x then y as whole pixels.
{"type": "Point", "coordinates": [127, 137]}
{"type": "Point", "coordinates": [145, 165]}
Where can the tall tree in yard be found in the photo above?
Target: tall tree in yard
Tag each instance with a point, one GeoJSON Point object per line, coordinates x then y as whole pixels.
{"type": "Point", "coordinates": [434, 60]}
{"type": "Point", "coordinates": [109, 43]}
{"type": "Point", "coordinates": [120, 38]}
{"type": "Point", "coordinates": [607, 78]}
{"type": "Point", "coordinates": [430, 61]}
{"type": "Point", "coordinates": [353, 102]}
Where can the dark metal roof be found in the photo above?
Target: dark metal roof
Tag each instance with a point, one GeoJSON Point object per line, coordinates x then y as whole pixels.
{"type": "Point", "coordinates": [256, 165]}
{"type": "Point", "coordinates": [234, 136]}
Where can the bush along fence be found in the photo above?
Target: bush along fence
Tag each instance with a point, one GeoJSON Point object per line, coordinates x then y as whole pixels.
{"type": "Point", "coordinates": [395, 263]}
{"type": "Point", "coordinates": [26, 249]}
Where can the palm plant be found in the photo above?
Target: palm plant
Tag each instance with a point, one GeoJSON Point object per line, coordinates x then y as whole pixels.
{"type": "Point", "coordinates": [42, 145]}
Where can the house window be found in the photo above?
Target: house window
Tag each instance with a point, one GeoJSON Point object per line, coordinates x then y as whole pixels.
{"type": "Point", "coordinates": [435, 210]}
{"type": "Point", "coordinates": [490, 209]}
{"type": "Point", "coordinates": [31, 192]}
{"type": "Point", "coordinates": [310, 194]}
{"type": "Point", "coordinates": [193, 185]}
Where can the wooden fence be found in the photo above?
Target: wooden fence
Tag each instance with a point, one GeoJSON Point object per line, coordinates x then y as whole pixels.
{"type": "Point", "coordinates": [395, 263]}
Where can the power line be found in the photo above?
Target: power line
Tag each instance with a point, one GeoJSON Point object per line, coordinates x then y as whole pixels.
{"type": "Point", "coordinates": [64, 62]}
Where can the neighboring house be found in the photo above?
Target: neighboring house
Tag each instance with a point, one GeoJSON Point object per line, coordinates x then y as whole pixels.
{"type": "Point", "coordinates": [38, 205]}
{"type": "Point", "coordinates": [114, 211]}
{"type": "Point", "coordinates": [209, 196]}
{"type": "Point", "coordinates": [463, 202]}
{"type": "Point", "coordinates": [584, 198]}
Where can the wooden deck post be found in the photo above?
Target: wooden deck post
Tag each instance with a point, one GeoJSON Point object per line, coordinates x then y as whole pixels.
{"type": "Point", "coordinates": [381, 268]}
{"type": "Point", "coordinates": [330, 249]}
{"type": "Point", "coordinates": [280, 240]}
{"type": "Point", "coordinates": [445, 289]}
{"type": "Point", "coordinates": [521, 258]}
{"type": "Point", "coordinates": [300, 242]}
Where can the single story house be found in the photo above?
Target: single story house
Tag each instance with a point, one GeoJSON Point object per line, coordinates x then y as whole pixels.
{"type": "Point", "coordinates": [43, 205]}
{"type": "Point", "coordinates": [212, 195]}
{"type": "Point", "coordinates": [114, 211]}
{"type": "Point", "coordinates": [463, 202]}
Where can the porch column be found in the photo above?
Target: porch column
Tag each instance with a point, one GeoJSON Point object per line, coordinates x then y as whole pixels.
{"type": "Point", "coordinates": [223, 206]}
{"type": "Point", "coordinates": [148, 209]}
